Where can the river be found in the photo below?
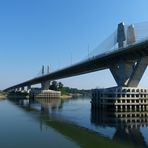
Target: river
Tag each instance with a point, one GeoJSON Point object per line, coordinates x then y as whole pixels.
{"type": "Point", "coordinates": [69, 123]}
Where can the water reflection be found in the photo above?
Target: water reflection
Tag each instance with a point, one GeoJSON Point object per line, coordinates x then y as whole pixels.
{"type": "Point", "coordinates": [47, 104]}
{"type": "Point", "coordinates": [131, 119]}
{"type": "Point", "coordinates": [80, 136]}
{"type": "Point", "coordinates": [127, 125]}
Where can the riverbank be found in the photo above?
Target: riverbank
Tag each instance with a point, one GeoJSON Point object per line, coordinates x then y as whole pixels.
{"type": "Point", "coordinates": [2, 97]}
{"type": "Point", "coordinates": [66, 97]}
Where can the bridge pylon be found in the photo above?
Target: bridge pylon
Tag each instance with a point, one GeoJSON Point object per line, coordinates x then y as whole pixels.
{"type": "Point", "coordinates": [127, 73]}
{"type": "Point", "coordinates": [45, 84]}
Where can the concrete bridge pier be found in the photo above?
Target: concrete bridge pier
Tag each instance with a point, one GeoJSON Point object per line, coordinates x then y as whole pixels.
{"type": "Point", "coordinates": [129, 73]}
{"type": "Point", "coordinates": [17, 89]}
{"type": "Point", "coordinates": [22, 89]}
{"type": "Point", "coordinates": [45, 85]}
{"type": "Point", "coordinates": [28, 88]}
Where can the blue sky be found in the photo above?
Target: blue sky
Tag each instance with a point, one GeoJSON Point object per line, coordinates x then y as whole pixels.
{"type": "Point", "coordinates": [52, 32]}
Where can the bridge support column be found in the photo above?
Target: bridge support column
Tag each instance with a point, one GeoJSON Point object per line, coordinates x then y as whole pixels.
{"type": "Point", "coordinates": [129, 73]}
{"type": "Point", "coordinates": [28, 88]}
{"type": "Point", "coordinates": [138, 71]}
{"type": "Point", "coordinates": [45, 85]}
{"type": "Point", "coordinates": [22, 88]}
{"type": "Point", "coordinates": [17, 89]}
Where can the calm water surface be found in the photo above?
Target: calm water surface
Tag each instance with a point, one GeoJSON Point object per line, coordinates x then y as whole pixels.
{"type": "Point", "coordinates": [69, 123]}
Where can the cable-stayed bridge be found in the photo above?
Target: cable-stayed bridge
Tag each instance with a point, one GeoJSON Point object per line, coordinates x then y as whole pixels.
{"type": "Point", "coordinates": [124, 52]}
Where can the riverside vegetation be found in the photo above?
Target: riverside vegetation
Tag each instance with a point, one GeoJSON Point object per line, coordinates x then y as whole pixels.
{"type": "Point", "coordinates": [67, 92]}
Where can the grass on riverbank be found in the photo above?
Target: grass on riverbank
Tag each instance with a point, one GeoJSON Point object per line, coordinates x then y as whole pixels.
{"type": "Point", "coordinates": [66, 97]}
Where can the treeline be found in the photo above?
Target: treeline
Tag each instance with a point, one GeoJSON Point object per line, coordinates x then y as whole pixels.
{"type": "Point", "coordinates": [67, 90]}
{"type": "Point", "coordinates": [58, 86]}
{"type": "Point", "coordinates": [2, 92]}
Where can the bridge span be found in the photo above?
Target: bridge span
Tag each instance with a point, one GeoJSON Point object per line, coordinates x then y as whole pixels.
{"type": "Point", "coordinates": [127, 62]}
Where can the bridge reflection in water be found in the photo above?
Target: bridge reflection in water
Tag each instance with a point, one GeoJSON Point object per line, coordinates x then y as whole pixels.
{"type": "Point", "coordinates": [47, 104]}
{"type": "Point", "coordinates": [127, 124]}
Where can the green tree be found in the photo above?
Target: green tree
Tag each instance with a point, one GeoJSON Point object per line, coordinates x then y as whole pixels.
{"type": "Point", "coordinates": [54, 86]}
{"type": "Point", "coordinates": [60, 86]}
